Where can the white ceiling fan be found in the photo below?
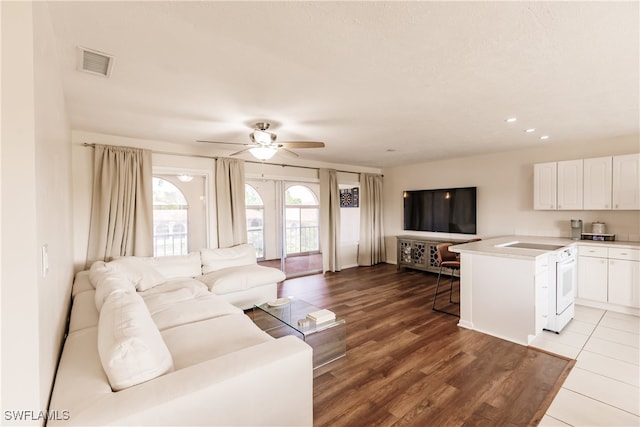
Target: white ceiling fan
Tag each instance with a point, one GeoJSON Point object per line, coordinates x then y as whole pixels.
{"type": "Point", "coordinates": [263, 144]}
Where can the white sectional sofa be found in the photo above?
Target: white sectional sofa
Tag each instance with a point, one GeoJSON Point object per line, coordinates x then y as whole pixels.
{"type": "Point", "coordinates": [150, 344]}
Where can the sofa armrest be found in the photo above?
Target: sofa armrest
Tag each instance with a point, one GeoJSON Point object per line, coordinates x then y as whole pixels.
{"type": "Point", "coordinates": [267, 384]}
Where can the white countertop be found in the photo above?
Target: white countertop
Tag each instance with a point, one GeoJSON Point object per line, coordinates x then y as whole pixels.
{"type": "Point", "coordinates": [492, 246]}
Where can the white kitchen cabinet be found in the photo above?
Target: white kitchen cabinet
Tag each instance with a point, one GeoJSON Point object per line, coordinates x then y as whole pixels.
{"type": "Point", "coordinates": [592, 273]}
{"type": "Point", "coordinates": [570, 185]}
{"type": "Point", "coordinates": [624, 277]}
{"type": "Point", "coordinates": [626, 182]}
{"type": "Point", "coordinates": [597, 183]}
{"type": "Point", "coordinates": [602, 183]}
{"type": "Point", "coordinates": [545, 186]}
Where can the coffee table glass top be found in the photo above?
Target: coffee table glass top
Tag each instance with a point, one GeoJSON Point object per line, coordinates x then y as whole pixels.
{"type": "Point", "coordinates": [294, 314]}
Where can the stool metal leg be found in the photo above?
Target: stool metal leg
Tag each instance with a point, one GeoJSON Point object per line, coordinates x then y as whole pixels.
{"type": "Point", "coordinates": [435, 295]}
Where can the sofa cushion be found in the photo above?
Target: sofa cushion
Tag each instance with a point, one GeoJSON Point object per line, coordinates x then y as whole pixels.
{"type": "Point", "coordinates": [84, 313]}
{"type": "Point", "coordinates": [217, 259]}
{"type": "Point", "coordinates": [177, 265]}
{"type": "Point", "coordinates": [233, 279]}
{"type": "Point", "coordinates": [109, 285]}
{"type": "Point", "coordinates": [141, 273]}
{"type": "Point", "coordinates": [81, 283]}
{"type": "Point", "coordinates": [130, 346]}
{"type": "Point", "coordinates": [191, 310]}
{"type": "Point", "coordinates": [197, 342]}
{"type": "Point", "coordinates": [180, 287]}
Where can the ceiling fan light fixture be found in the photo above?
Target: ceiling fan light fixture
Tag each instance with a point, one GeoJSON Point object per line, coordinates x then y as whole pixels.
{"type": "Point", "coordinates": [263, 153]}
{"type": "Point", "coordinates": [262, 137]}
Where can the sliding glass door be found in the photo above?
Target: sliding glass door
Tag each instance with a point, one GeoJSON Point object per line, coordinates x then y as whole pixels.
{"type": "Point", "coordinates": [283, 223]}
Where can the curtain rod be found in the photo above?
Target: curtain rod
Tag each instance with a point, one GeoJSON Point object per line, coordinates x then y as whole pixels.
{"type": "Point", "coordinates": [168, 153]}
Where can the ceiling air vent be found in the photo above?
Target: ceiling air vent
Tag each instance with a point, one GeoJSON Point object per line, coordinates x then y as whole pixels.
{"type": "Point", "coordinates": [94, 62]}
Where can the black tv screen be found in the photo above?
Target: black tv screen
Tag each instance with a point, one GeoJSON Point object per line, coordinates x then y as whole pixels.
{"type": "Point", "coordinates": [448, 210]}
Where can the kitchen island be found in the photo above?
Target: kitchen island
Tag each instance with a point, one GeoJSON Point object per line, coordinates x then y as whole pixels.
{"type": "Point", "coordinates": [504, 285]}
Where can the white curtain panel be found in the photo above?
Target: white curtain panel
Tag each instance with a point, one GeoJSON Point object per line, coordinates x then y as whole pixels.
{"type": "Point", "coordinates": [371, 249]}
{"type": "Point", "coordinates": [230, 202]}
{"type": "Point", "coordinates": [329, 220]}
{"type": "Point", "coordinates": [121, 205]}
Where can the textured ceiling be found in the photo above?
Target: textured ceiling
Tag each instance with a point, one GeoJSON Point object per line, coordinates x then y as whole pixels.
{"type": "Point", "coordinates": [381, 83]}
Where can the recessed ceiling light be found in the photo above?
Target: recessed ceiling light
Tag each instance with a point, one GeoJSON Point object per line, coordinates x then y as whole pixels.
{"type": "Point", "coordinates": [530, 130]}
{"type": "Point", "coordinates": [511, 119]}
{"type": "Point", "coordinates": [544, 137]}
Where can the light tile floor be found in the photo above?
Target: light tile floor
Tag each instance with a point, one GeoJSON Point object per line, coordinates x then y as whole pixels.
{"type": "Point", "coordinates": [603, 388]}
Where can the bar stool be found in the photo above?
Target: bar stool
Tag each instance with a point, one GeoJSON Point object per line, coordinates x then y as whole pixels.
{"type": "Point", "coordinates": [446, 259]}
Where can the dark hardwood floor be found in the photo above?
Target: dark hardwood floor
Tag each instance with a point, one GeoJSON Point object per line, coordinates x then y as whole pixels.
{"type": "Point", "coordinates": [407, 365]}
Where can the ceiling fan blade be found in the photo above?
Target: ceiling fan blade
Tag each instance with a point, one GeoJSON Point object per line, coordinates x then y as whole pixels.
{"type": "Point", "coordinates": [301, 144]}
{"type": "Point", "coordinates": [241, 151]}
{"type": "Point", "coordinates": [220, 142]}
{"type": "Point", "coordinates": [288, 151]}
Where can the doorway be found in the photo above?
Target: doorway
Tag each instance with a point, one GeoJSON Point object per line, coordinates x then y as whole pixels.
{"type": "Point", "coordinates": [283, 223]}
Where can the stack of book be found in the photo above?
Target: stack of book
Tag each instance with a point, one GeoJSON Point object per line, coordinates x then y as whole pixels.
{"type": "Point", "coordinates": [321, 316]}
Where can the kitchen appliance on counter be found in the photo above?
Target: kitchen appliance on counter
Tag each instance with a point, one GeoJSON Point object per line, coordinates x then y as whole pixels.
{"type": "Point", "coordinates": [576, 229]}
{"type": "Point", "coordinates": [563, 280]}
{"type": "Point", "coordinates": [598, 232]}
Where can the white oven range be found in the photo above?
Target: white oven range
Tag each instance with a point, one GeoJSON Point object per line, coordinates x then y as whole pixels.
{"type": "Point", "coordinates": [562, 284]}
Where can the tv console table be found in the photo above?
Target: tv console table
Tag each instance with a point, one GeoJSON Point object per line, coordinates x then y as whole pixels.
{"type": "Point", "coordinates": [420, 252]}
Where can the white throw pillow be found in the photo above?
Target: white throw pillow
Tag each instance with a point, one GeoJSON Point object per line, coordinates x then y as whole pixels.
{"type": "Point", "coordinates": [131, 348]}
{"type": "Point", "coordinates": [217, 259]}
{"type": "Point", "coordinates": [141, 273]}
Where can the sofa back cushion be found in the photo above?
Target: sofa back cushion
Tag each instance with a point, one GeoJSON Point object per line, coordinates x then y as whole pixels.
{"type": "Point", "coordinates": [130, 346]}
{"type": "Point", "coordinates": [137, 271]}
{"type": "Point", "coordinates": [217, 259]}
{"type": "Point", "coordinates": [177, 265]}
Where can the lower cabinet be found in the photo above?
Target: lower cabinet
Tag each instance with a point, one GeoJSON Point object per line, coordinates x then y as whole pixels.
{"type": "Point", "coordinates": [609, 275]}
{"type": "Point", "coordinates": [592, 278]}
{"type": "Point", "coordinates": [624, 280]}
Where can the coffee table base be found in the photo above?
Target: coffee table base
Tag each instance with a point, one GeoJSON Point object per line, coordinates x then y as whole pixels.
{"type": "Point", "coordinates": [328, 341]}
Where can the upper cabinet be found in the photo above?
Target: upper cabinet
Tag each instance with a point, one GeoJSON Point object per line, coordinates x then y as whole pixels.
{"type": "Point", "coordinates": [570, 185]}
{"type": "Point", "coordinates": [602, 183]}
{"type": "Point", "coordinates": [626, 182]}
{"type": "Point", "coordinates": [597, 183]}
{"type": "Point", "coordinates": [544, 186]}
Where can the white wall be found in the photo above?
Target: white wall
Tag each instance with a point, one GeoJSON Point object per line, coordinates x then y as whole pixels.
{"type": "Point", "coordinates": [36, 209]}
{"type": "Point", "coordinates": [505, 192]}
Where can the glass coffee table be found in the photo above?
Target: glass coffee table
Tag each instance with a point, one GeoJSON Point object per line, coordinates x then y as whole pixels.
{"type": "Point", "coordinates": [288, 316]}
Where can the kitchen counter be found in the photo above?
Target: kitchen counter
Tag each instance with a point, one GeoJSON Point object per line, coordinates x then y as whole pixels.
{"type": "Point", "coordinates": [503, 289]}
{"type": "Point", "coordinates": [494, 246]}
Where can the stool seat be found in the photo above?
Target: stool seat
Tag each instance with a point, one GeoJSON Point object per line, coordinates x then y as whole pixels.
{"type": "Point", "coordinates": [450, 264]}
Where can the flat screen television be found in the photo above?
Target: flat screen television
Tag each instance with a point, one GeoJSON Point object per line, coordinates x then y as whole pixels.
{"type": "Point", "coordinates": [448, 210]}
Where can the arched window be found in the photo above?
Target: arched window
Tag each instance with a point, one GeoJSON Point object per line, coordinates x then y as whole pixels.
{"type": "Point", "coordinates": [302, 220]}
{"type": "Point", "coordinates": [170, 219]}
{"type": "Point", "coordinates": [255, 219]}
